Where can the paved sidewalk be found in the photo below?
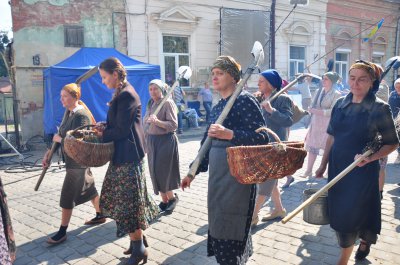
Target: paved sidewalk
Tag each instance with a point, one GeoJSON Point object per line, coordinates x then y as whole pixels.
{"type": "Point", "coordinates": [180, 238]}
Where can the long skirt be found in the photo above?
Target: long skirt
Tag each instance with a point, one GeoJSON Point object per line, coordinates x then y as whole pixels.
{"type": "Point", "coordinates": [78, 187]}
{"type": "Point", "coordinates": [230, 209]}
{"type": "Point", "coordinates": [125, 199]}
{"type": "Point", "coordinates": [316, 136]}
{"type": "Point", "coordinates": [163, 159]}
{"type": "Point", "coordinates": [7, 240]}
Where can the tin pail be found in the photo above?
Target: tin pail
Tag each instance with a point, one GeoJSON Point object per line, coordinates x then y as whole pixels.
{"type": "Point", "coordinates": [317, 212]}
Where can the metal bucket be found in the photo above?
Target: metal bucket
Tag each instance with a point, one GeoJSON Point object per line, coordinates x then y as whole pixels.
{"type": "Point", "coordinates": [317, 212]}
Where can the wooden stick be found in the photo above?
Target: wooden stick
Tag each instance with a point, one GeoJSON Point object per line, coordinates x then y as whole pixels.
{"type": "Point", "coordinates": [52, 150]}
{"type": "Point", "coordinates": [325, 188]}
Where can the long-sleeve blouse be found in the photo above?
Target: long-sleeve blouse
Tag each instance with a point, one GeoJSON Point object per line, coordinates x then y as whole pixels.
{"type": "Point", "coordinates": [167, 116]}
{"type": "Point", "coordinates": [243, 119]}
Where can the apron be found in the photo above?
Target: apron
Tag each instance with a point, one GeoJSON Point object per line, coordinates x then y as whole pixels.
{"type": "Point", "coordinates": [228, 200]}
{"type": "Point", "coordinates": [354, 202]}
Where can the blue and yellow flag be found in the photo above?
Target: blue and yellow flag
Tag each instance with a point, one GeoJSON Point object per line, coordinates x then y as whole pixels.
{"type": "Point", "coordinates": [374, 30]}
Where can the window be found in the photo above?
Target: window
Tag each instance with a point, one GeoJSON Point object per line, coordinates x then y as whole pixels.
{"type": "Point", "coordinates": [342, 65]}
{"type": "Point", "coordinates": [297, 60]}
{"type": "Point", "coordinates": [73, 36]}
{"type": "Point", "coordinates": [175, 54]}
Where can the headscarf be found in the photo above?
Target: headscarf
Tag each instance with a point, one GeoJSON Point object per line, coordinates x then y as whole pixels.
{"type": "Point", "coordinates": [163, 88]}
{"type": "Point", "coordinates": [160, 84]}
{"type": "Point", "coordinates": [372, 70]}
{"type": "Point", "coordinates": [273, 78]}
{"type": "Point", "coordinates": [75, 91]}
{"type": "Point", "coordinates": [229, 65]}
{"type": "Point", "coordinates": [333, 76]}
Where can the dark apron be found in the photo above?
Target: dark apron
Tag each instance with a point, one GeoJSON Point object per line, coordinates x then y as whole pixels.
{"type": "Point", "coordinates": [228, 200]}
{"type": "Point", "coordinates": [354, 202]}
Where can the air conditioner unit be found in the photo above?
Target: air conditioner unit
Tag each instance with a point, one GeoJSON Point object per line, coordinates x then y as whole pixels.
{"type": "Point", "coordinates": [299, 2]}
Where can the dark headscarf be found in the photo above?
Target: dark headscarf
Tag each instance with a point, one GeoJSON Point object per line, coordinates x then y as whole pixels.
{"type": "Point", "coordinates": [229, 65]}
{"type": "Point", "coordinates": [273, 78]}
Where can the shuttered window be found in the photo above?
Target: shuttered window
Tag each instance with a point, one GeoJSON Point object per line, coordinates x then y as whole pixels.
{"type": "Point", "coordinates": [73, 36]}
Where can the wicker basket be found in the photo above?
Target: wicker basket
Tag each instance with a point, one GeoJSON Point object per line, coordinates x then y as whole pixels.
{"type": "Point", "coordinates": [256, 164]}
{"type": "Point", "coordinates": [88, 154]}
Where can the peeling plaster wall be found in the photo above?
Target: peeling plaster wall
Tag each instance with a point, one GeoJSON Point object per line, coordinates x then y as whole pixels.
{"type": "Point", "coordinates": [39, 30]}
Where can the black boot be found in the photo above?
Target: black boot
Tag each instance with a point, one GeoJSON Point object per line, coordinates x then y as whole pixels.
{"type": "Point", "coordinates": [139, 253]}
{"type": "Point", "coordinates": [129, 250]}
{"type": "Point", "coordinates": [172, 204]}
{"type": "Point", "coordinates": [362, 254]}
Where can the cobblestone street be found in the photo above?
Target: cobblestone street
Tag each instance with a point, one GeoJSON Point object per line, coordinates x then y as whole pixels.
{"type": "Point", "coordinates": [180, 238]}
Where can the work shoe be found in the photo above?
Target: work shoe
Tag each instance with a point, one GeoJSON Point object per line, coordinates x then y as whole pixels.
{"type": "Point", "coordinates": [97, 220]}
{"type": "Point", "coordinates": [163, 206]}
{"type": "Point", "coordinates": [289, 181]}
{"type": "Point", "coordinates": [274, 215]}
{"type": "Point", "coordinates": [362, 254]}
{"type": "Point", "coordinates": [172, 204]}
{"type": "Point", "coordinates": [51, 241]}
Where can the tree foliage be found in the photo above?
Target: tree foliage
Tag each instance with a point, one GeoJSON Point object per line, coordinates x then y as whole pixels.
{"type": "Point", "coordinates": [4, 41]}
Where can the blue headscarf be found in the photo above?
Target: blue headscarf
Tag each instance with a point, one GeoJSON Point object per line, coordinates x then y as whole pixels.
{"type": "Point", "coordinates": [273, 78]}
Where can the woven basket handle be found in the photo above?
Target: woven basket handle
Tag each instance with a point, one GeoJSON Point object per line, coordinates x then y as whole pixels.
{"type": "Point", "coordinates": [268, 130]}
{"type": "Point", "coordinates": [83, 126]}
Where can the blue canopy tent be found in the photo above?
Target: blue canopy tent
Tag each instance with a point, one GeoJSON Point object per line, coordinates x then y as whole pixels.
{"type": "Point", "coordinates": [94, 93]}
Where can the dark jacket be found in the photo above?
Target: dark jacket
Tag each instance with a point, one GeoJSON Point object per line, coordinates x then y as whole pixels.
{"type": "Point", "coordinates": [124, 127]}
{"type": "Point", "coordinates": [71, 122]}
{"type": "Point", "coordinates": [281, 118]}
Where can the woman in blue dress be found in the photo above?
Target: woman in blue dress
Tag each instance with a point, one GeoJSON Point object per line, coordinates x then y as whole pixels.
{"type": "Point", "coordinates": [354, 202]}
{"type": "Point", "coordinates": [230, 204]}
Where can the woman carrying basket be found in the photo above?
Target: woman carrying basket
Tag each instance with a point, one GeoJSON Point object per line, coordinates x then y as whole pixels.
{"type": "Point", "coordinates": [78, 184]}
{"type": "Point", "coordinates": [124, 194]}
{"type": "Point", "coordinates": [162, 145]}
{"type": "Point", "coordinates": [278, 117]}
{"type": "Point", "coordinates": [230, 204]}
{"type": "Point", "coordinates": [354, 202]}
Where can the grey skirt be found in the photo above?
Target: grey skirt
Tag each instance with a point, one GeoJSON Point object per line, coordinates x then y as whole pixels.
{"type": "Point", "coordinates": [78, 187]}
{"type": "Point", "coordinates": [163, 160]}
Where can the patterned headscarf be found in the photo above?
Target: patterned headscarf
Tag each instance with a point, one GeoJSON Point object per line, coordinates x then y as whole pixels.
{"type": "Point", "coordinates": [229, 65]}
{"type": "Point", "coordinates": [373, 71]}
{"type": "Point", "coordinates": [75, 91]}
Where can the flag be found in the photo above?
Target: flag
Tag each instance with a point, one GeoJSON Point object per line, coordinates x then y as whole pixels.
{"type": "Point", "coordinates": [374, 30]}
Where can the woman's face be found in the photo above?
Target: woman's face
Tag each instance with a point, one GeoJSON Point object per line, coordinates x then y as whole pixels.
{"type": "Point", "coordinates": [264, 86]}
{"type": "Point", "coordinates": [360, 82]}
{"type": "Point", "coordinates": [155, 92]}
{"type": "Point", "coordinates": [110, 80]}
{"type": "Point", "coordinates": [397, 88]}
{"type": "Point", "coordinates": [67, 100]}
{"type": "Point", "coordinates": [326, 82]}
{"type": "Point", "coordinates": [221, 79]}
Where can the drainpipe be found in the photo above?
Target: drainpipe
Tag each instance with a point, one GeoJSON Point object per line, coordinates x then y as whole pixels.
{"type": "Point", "coordinates": [396, 51]}
{"type": "Point", "coordinates": [272, 32]}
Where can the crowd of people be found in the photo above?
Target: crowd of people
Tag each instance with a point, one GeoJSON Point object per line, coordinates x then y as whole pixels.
{"type": "Point", "coordinates": [339, 129]}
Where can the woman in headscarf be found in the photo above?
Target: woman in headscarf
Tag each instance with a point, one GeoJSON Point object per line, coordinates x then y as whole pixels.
{"type": "Point", "coordinates": [320, 110]}
{"type": "Point", "coordinates": [124, 194]}
{"type": "Point", "coordinates": [354, 202]}
{"type": "Point", "coordinates": [278, 117]}
{"type": "Point", "coordinates": [162, 145]}
{"type": "Point", "coordinates": [78, 184]}
{"type": "Point", "coordinates": [230, 204]}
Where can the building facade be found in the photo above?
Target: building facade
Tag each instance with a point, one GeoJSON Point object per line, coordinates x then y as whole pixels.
{"type": "Point", "coordinates": [49, 31]}
{"type": "Point", "coordinates": [349, 21]}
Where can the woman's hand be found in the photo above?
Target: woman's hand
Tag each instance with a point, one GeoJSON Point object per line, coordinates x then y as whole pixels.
{"type": "Point", "coordinates": [364, 161]}
{"type": "Point", "coordinates": [267, 106]}
{"type": "Point", "coordinates": [57, 138]}
{"type": "Point", "coordinates": [220, 132]}
{"type": "Point", "coordinates": [320, 171]}
{"type": "Point", "coordinates": [45, 161]}
{"type": "Point", "coordinates": [186, 182]}
{"type": "Point", "coordinates": [152, 119]}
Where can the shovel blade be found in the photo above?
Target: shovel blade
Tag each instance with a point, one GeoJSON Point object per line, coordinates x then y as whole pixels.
{"type": "Point", "coordinates": [184, 71]}
{"type": "Point", "coordinates": [258, 53]}
{"type": "Point", "coordinates": [86, 75]}
{"type": "Point", "coordinates": [392, 61]}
